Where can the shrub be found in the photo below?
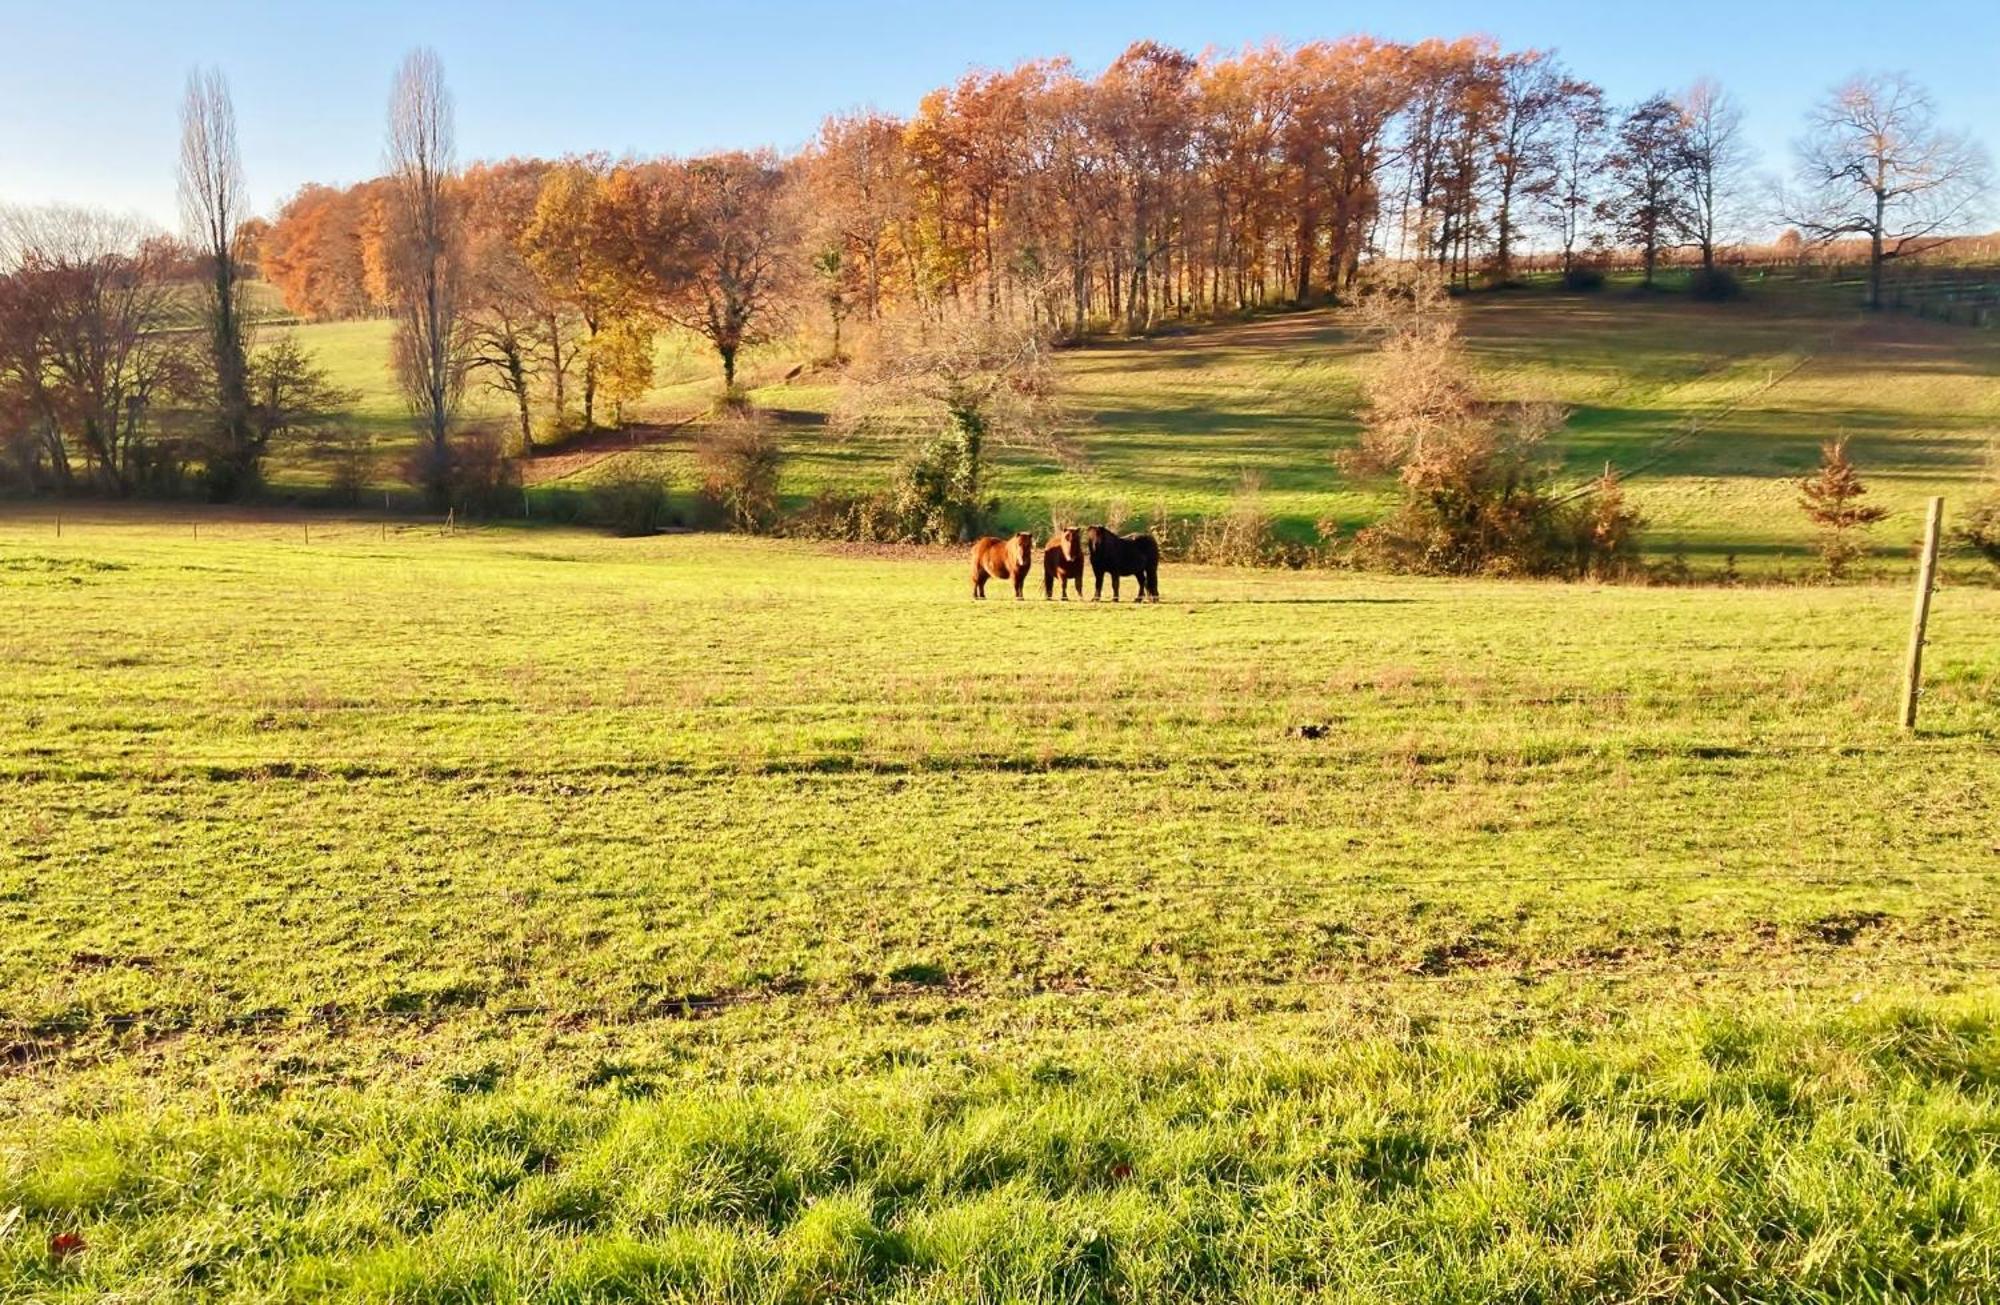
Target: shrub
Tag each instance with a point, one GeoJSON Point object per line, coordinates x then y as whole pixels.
{"type": "Point", "coordinates": [478, 478]}
{"type": "Point", "coordinates": [629, 502]}
{"type": "Point", "coordinates": [347, 455]}
{"type": "Point", "coordinates": [936, 495]}
{"type": "Point", "coordinates": [1583, 277]}
{"type": "Point", "coordinates": [741, 464]}
{"type": "Point", "coordinates": [1476, 501]}
{"type": "Point", "coordinates": [1604, 530]}
{"type": "Point", "coordinates": [484, 480]}
{"type": "Point", "coordinates": [1475, 492]}
{"type": "Point", "coordinates": [1243, 535]}
{"type": "Point", "coordinates": [1980, 530]}
{"type": "Point", "coordinates": [1832, 499]}
{"type": "Point", "coordinates": [1714, 284]}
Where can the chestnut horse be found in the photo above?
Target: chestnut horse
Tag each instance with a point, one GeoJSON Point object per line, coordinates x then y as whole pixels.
{"type": "Point", "coordinates": [1002, 559]}
{"type": "Point", "coordinates": [1063, 560]}
{"type": "Point", "coordinates": [1113, 554]}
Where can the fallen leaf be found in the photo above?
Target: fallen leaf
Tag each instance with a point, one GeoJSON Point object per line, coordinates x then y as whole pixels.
{"type": "Point", "coordinates": [64, 1245]}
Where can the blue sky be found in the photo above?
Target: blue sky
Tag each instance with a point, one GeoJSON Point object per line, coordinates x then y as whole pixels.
{"type": "Point", "coordinates": [89, 88]}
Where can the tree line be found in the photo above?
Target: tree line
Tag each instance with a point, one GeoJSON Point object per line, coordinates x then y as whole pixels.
{"type": "Point", "coordinates": [1162, 188]}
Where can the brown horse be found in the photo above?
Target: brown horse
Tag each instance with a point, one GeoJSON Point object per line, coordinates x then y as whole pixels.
{"type": "Point", "coordinates": [1002, 559]}
{"type": "Point", "coordinates": [1063, 560]}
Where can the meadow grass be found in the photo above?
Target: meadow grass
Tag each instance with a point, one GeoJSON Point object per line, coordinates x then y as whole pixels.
{"type": "Point", "coordinates": [524, 914]}
{"type": "Point", "coordinates": [1715, 410]}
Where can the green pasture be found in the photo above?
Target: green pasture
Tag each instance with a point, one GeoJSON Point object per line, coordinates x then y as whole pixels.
{"type": "Point", "coordinates": [523, 914]}
{"type": "Point", "coordinates": [1714, 411]}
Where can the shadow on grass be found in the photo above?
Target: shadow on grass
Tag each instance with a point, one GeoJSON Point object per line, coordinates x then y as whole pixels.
{"type": "Point", "coordinates": [1291, 602]}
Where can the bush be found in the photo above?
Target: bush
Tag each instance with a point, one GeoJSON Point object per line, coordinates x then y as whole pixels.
{"type": "Point", "coordinates": [478, 478]}
{"type": "Point", "coordinates": [346, 453]}
{"type": "Point", "coordinates": [741, 464]}
{"type": "Point", "coordinates": [629, 502]}
{"type": "Point", "coordinates": [1476, 501]}
{"type": "Point", "coordinates": [935, 497]}
{"type": "Point", "coordinates": [1981, 528]}
{"type": "Point", "coordinates": [1714, 284]}
{"type": "Point", "coordinates": [1245, 534]}
{"type": "Point", "coordinates": [1584, 277]}
{"type": "Point", "coordinates": [484, 480]}
{"type": "Point", "coordinates": [1605, 530]}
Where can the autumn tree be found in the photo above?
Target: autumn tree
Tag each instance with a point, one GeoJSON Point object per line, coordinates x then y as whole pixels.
{"type": "Point", "coordinates": [1449, 136]}
{"type": "Point", "coordinates": [313, 253]}
{"type": "Point", "coordinates": [1146, 115]}
{"type": "Point", "coordinates": [1874, 163]}
{"type": "Point", "coordinates": [1067, 196]}
{"type": "Point", "coordinates": [1371, 87]}
{"type": "Point", "coordinates": [90, 359]}
{"type": "Point", "coordinates": [572, 244]}
{"type": "Point", "coordinates": [1474, 488]}
{"type": "Point", "coordinates": [1647, 205]}
{"type": "Point", "coordinates": [430, 360]}
{"type": "Point", "coordinates": [856, 177]}
{"type": "Point", "coordinates": [734, 269]}
{"type": "Point", "coordinates": [506, 314]}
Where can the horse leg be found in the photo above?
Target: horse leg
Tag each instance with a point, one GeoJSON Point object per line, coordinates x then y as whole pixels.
{"type": "Point", "coordinates": [1099, 595]}
{"type": "Point", "coordinates": [1020, 579]}
{"type": "Point", "coordinates": [1049, 585]}
{"type": "Point", "coordinates": [1114, 586]}
{"type": "Point", "coordinates": [978, 583]}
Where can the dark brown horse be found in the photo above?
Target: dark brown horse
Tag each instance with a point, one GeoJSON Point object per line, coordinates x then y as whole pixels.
{"type": "Point", "coordinates": [1002, 559]}
{"type": "Point", "coordinates": [1114, 555]}
{"type": "Point", "coordinates": [1063, 560]}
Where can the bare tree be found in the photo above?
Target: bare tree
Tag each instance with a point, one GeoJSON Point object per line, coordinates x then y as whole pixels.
{"type": "Point", "coordinates": [1712, 157]}
{"type": "Point", "coordinates": [212, 203]}
{"type": "Point", "coordinates": [1533, 94]}
{"type": "Point", "coordinates": [429, 361]}
{"type": "Point", "coordinates": [1874, 163]}
{"type": "Point", "coordinates": [1579, 158]}
{"type": "Point", "coordinates": [957, 385]}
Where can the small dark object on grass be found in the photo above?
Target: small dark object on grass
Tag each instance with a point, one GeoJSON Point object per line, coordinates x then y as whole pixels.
{"type": "Point", "coordinates": [1309, 730]}
{"type": "Point", "coordinates": [64, 1245]}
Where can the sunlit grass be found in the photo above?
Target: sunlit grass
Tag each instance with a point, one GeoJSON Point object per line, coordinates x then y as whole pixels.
{"type": "Point", "coordinates": [524, 914]}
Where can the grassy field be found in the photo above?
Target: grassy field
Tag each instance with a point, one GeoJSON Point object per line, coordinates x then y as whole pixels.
{"type": "Point", "coordinates": [528, 915]}
{"type": "Point", "coordinates": [1714, 410]}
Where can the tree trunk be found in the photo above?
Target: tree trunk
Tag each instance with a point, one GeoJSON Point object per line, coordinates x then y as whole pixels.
{"type": "Point", "coordinates": [1875, 256]}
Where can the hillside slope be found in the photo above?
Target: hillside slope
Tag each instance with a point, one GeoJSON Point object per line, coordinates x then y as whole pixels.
{"type": "Point", "coordinates": [1714, 411]}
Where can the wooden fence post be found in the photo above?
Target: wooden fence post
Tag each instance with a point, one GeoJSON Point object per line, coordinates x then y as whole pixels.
{"type": "Point", "coordinates": [1913, 667]}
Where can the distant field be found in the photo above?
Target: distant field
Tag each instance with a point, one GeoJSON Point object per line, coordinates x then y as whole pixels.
{"type": "Point", "coordinates": [1715, 410]}
{"type": "Point", "coordinates": [528, 915]}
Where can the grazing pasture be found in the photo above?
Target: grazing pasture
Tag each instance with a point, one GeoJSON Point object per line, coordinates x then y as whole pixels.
{"type": "Point", "coordinates": [1714, 410]}
{"type": "Point", "coordinates": [524, 914]}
